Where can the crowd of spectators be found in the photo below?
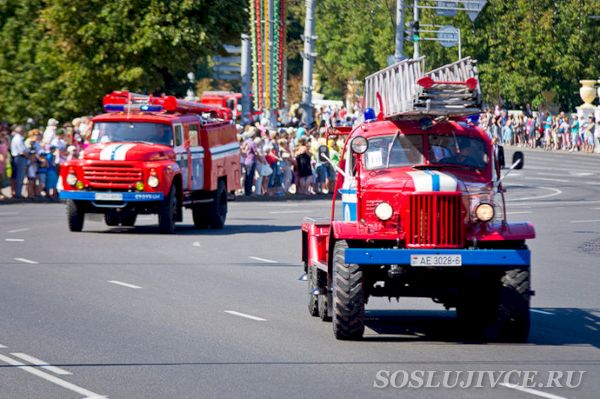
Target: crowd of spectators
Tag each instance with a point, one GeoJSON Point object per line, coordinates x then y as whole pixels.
{"type": "Point", "coordinates": [551, 132]}
{"type": "Point", "coordinates": [277, 161]}
{"type": "Point", "coordinates": [293, 159]}
{"type": "Point", "coordinates": [31, 156]}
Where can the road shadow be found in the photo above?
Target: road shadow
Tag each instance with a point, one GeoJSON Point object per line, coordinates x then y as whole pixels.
{"type": "Point", "coordinates": [190, 230]}
{"type": "Point", "coordinates": [549, 326]}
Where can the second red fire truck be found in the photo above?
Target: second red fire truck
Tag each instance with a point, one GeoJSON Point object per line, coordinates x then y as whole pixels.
{"type": "Point", "coordinates": [154, 155]}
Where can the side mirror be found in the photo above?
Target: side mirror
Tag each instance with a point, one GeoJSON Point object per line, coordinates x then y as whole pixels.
{"type": "Point", "coordinates": [520, 158]}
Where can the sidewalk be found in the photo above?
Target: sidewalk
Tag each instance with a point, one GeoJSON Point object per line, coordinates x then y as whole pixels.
{"type": "Point", "coordinates": [524, 149]}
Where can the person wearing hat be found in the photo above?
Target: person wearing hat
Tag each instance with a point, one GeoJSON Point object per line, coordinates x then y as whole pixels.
{"type": "Point", "coordinates": [19, 152]}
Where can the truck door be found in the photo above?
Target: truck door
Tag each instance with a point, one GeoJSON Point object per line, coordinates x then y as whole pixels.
{"type": "Point", "coordinates": [196, 156]}
{"type": "Point", "coordinates": [181, 153]}
{"type": "Point", "coordinates": [349, 197]}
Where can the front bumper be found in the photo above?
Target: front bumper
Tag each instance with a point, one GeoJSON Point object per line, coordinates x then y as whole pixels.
{"type": "Point", "coordinates": [98, 196]}
{"type": "Point", "coordinates": [470, 257]}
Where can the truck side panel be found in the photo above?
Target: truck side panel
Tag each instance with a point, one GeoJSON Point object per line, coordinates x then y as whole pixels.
{"type": "Point", "coordinates": [221, 154]}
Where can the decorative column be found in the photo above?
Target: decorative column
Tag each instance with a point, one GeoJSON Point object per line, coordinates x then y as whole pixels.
{"type": "Point", "coordinates": [587, 92]}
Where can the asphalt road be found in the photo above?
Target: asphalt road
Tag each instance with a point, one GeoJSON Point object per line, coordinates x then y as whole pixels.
{"type": "Point", "coordinates": [129, 313]}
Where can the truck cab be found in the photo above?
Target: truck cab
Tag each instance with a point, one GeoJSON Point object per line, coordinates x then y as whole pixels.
{"type": "Point", "coordinates": [422, 214]}
{"type": "Point", "coordinates": [154, 155]}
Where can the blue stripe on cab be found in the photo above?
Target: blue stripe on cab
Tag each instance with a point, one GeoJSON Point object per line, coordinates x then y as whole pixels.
{"type": "Point", "coordinates": [435, 182]}
{"type": "Point", "coordinates": [114, 151]}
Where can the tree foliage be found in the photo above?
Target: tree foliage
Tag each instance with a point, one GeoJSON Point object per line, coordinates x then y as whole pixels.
{"type": "Point", "coordinates": [61, 56]}
{"type": "Point", "coordinates": [529, 51]}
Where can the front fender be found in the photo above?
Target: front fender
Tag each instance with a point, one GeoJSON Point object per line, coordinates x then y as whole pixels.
{"type": "Point", "coordinates": [498, 231]}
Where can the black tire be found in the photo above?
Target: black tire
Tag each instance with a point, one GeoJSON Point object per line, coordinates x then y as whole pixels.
{"type": "Point", "coordinates": [129, 219]}
{"type": "Point", "coordinates": [75, 216]}
{"type": "Point", "coordinates": [323, 306]}
{"type": "Point", "coordinates": [217, 209]}
{"type": "Point", "coordinates": [513, 322]}
{"type": "Point", "coordinates": [168, 213]}
{"type": "Point", "coordinates": [496, 309]}
{"type": "Point", "coordinates": [199, 215]}
{"type": "Point", "coordinates": [348, 296]}
{"type": "Point", "coordinates": [313, 309]}
{"type": "Point", "coordinates": [112, 219]}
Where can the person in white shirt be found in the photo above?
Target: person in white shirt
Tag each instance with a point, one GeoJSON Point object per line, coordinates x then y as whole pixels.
{"type": "Point", "coordinates": [19, 152]}
{"type": "Point", "coordinates": [50, 132]}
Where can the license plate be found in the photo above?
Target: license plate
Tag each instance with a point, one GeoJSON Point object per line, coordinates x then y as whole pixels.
{"type": "Point", "coordinates": [109, 197]}
{"type": "Point", "coordinates": [435, 260]}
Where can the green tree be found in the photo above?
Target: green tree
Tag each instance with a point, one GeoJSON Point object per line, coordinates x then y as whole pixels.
{"type": "Point", "coordinates": [528, 50]}
{"type": "Point", "coordinates": [71, 52]}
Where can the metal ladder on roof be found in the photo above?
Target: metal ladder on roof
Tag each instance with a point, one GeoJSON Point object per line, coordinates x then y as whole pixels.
{"type": "Point", "coordinates": [403, 90]}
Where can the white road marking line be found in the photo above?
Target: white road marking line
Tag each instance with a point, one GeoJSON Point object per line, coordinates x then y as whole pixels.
{"type": "Point", "coordinates": [196, 244]}
{"type": "Point", "coordinates": [247, 316]}
{"type": "Point", "coordinates": [50, 378]}
{"type": "Point", "coordinates": [2, 346]}
{"type": "Point", "coordinates": [532, 391]}
{"type": "Point", "coordinates": [585, 221]}
{"type": "Point", "coordinates": [18, 230]}
{"type": "Point", "coordinates": [518, 213]}
{"type": "Point", "coordinates": [31, 262]}
{"type": "Point", "coordinates": [541, 312]}
{"type": "Point", "coordinates": [41, 363]}
{"type": "Point", "coordinates": [125, 284]}
{"type": "Point", "coordinates": [282, 212]}
{"type": "Point", "coordinates": [555, 193]}
{"type": "Point", "coordinates": [546, 179]}
{"type": "Point", "coordinates": [14, 240]}
{"type": "Point", "coordinates": [262, 259]}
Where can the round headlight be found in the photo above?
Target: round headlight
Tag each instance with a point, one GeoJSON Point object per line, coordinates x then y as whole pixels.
{"type": "Point", "coordinates": [384, 211]}
{"type": "Point", "coordinates": [71, 179]}
{"type": "Point", "coordinates": [484, 212]}
{"type": "Point", "coordinates": [359, 145]}
{"type": "Point", "coordinates": [153, 181]}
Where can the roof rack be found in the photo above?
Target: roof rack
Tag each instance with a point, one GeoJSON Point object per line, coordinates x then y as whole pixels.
{"type": "Point", "coordinates": [120, 101]}
{"type": "Point", "coordinates": [404, 91]}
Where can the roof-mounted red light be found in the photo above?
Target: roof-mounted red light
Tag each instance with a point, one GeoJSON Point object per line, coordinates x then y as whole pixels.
{"type": "Point", "coordinates": [122, 100]}
{"type": "Point", "coordinates": [471, 83]}
{"type": "Point", "coordinates": [425, 82]}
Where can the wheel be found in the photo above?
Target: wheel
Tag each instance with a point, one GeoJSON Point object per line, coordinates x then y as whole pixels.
{"type": "Point", "coordinates": [217, 209]}
{"type": "Point", "coordinates": [313, 309]}
{"type": "Point", "coordinates": [168, 213]}
{"type": "Point", "coordinates": [75, 215]}
{"type": "Point", "coordinates": [348, 296]}
{"type": "Point", "coordinates": [497, 308]}
{"type": "Point", "coordinates": [112, 219]}
{"type": "Point", "coordinates": [323, 306]}
{"type": "Point", "coordinates": [118, 219]}
{"type": "Point", "coordinates": [128, 219]}
{"type": "Point", "coordinates": [199, 213]}
{"type": "Point", "coordinates": [513, 322]}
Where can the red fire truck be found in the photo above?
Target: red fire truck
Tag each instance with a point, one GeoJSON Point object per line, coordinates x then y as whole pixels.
{"type": "Point", "coordinates": [154, 155]}
{"type": "Point", "coordinates": [422, 212]}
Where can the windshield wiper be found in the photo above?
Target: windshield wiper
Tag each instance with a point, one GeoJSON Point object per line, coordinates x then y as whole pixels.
{"type": "Point", "coordinates": [389, 154]}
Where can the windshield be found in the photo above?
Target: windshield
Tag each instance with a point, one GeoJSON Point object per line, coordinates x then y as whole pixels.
{"type": "Point", "coordinates": [394, 151]}
{"type": "Point", "coordinates": [457, 150]}
{"type": "Point", "coordinates": [156, 133]}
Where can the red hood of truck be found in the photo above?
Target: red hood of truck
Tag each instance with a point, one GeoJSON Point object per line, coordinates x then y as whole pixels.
{"type": "Point", "coordinates": [124, 151]}
{"type": "Point", "coordinates": [419, 180]}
